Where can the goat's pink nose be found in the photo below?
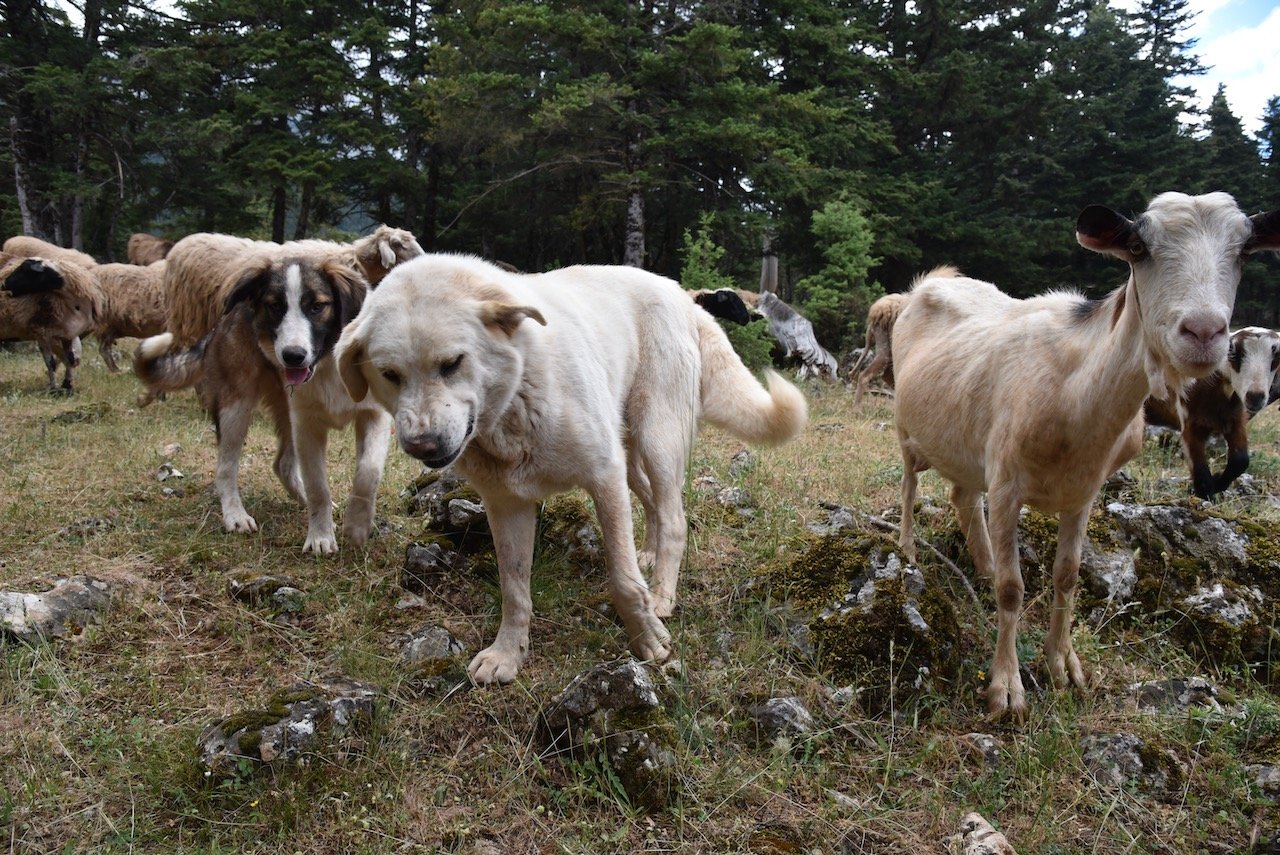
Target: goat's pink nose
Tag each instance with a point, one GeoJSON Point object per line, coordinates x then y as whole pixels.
{"type": "Point", "coordinates": [1205, 329]}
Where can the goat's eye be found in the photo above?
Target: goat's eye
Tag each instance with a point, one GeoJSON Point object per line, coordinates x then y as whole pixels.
{"type": "Point", "coordinates": [451, 366]}
{"type": "Point", "coordinates": [1137, 248]}
{"type": "Point", "coordinates": [392, 377]}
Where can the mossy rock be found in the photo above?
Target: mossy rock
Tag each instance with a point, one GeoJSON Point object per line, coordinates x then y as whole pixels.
{"type": "Point", "coordinates": [568, 534]}
{"type": "Point", "coordinates": [873, 621]}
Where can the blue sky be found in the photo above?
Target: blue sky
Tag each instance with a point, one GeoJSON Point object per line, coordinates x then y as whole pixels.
{"type": "Point", "coordinates": [1240, 40]}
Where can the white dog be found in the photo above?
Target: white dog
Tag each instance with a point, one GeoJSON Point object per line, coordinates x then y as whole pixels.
{"type": "Point", "coordinates": [588, 376]}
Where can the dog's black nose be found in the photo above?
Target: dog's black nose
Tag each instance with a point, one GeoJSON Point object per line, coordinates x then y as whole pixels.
{"type": "Point", "coordinates": [293, 356]}
{"type": "Point", "coordinates": [1255, 401]}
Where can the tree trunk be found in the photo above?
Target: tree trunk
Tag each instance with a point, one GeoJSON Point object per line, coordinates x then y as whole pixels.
{"type": "Point", "coordinates": [768, 266]}
{"type": "Point", "coordinates": [303, 226]}
{"type": "Point", "coordinates": [278, 209]}
{"type": "Point", "coordinates": [633, 248]}
{"type": "Point", "coordinates": [21, 177]}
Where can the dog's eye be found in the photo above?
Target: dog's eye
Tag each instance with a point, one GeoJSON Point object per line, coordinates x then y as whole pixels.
{"type": "Point", "coordinates": [451, 366]}
{"type": "Point", "coordinates": [317, 308]}
{"type": "Point", "coordinates": [393, 377]}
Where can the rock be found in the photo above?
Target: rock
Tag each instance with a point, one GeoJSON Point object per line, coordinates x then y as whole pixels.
{"type": "Point", "coordinates": [64, 611]}
{"type": "Point", "coordinates": [167, 471]}
{"type": "Point", "coordinates": [1213, 542]}
{"type": "Point", "coordinates": [839, 518]}
{"type": "Point", "coordinates": [85, 528]}
{"type": "Point", "coordinates": [452, 508]}
{"type": "Point", "coordinates": [1267, 780]}
{"type": "Point", "coordinates": [1175, 695]}
{"type": "Point", "coordinates": [781, 717]}
{"type": "Point", "coordinates": [707, 484]}
{"type": "Point", "coordinates": [249, 586]}
{"type": "Point", "coordinates": [79, 415]}
{"type": "Point", "coordinates": [464, 512]}
{"type": "Point", "coordinates": [614, 709]}
{"type": "Point", "coordinates": [287, 600]}
{"type": "Point", "coordinates": [1233, 605]}
{"type": "Point", "coordinates": [425, 563]}
{"type": "Point", "coordinates": [435, 659]}
{"type": "Point", "coordinates": [741, 463]}
{"type": "Point", "coordinates": [1266, 844]}
{"type": "Point", "coordinates": [1121, 759]}
{"type": "Point", "coordinates": [981, 747]}
{"type": "Point", "coordinates": [172, 449]}
{"type": "Point", "coordinates": [976, 837]}
{"type": "Point", "coordinates": [1110, 575]}
{"type": "Point", "coordinates": [301, 720]}
{"type": "Point", "coordinates": [736, 498]}
{"type": "Point", "coordinates": [873, 620]}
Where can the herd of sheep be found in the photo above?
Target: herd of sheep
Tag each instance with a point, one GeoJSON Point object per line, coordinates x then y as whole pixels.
{"type": "Point", "coordinates": [1014, 402]}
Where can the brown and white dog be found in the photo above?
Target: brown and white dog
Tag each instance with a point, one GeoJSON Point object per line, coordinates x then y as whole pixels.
{"type": "Point", "coordinates": [274, 345]}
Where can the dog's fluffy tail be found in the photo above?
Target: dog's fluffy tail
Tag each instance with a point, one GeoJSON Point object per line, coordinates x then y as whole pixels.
{"type": "Point", "coordinates": [162, 369]}
{"type": "Point", "coordinates": [733, 399]}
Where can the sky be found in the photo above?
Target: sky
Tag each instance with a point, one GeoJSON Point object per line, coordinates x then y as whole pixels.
{"type": "Point", "coordinates": [1239, 42]}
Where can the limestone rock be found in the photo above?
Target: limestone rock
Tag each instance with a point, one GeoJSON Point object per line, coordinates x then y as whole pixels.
{"type": "Point", "coordinates": [1175, 695]}
{"type": "Point", "coordinates": [61, 612]}
{"type": "Point", "coordinates": [305, 718]}
{"type": "Point", "coordinates": [1266, 778]}
{"type": "Point", "coordinates": [427, 563]}
{"type": "Point", "coordinates": [982, 747]}
{"type": "Point", "coordinates": [614, 709]}
{"type": "Point", "coordinates": [977, 837]}
{"type": "Point", "coordinates": [1123, 759]}
{"type": "Point", "coordinates": [786, 717]}
{"type": "Point", "coordinates": [249, 586]}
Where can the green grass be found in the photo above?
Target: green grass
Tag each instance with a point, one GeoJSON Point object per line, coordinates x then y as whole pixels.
{"type": "Point", "coordinates": [97, 736]}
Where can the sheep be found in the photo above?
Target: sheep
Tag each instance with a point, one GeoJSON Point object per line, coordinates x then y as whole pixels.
{"type": "Point", "coordinates": [723, 303]}
{"type": "Point", "coordinates": [1222, 404]}
{"type": "Point", "coordinates": [880, 319]}
{"type": "Point", "coordinates": [133, 305]}
{"type": "Point", "coordinates": [31, 247]}
{"type": "Point", "coordinates": [1037, 401]}
{"type": "Point", "coordinates": [146, 248]}
{"type": "Point", "coordinates": [51, 303]}
{"type": "Point", "coordinates": [203, 268]}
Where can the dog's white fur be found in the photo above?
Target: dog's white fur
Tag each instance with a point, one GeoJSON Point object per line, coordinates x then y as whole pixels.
{"type": "Point", "coordinates": [589, 376]}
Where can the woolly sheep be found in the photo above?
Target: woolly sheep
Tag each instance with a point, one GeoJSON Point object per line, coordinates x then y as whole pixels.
{"type": "Point", "coordinates": [51, 303]}
{"type": "Point", "coordinates": [147, 249]}
{"type": "Point", "coordinates": [30, 247]}
{"type": "Point", "coordinates": [133, 305]}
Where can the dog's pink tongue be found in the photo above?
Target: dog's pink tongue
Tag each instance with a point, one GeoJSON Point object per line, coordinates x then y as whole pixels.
{"type": "Point", "coordinates": [297, 376]}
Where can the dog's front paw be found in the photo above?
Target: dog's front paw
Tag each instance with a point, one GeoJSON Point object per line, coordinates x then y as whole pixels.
{"type": "Point", "coordinates": [239, 523]}
{"type": "Point", "coordinates": [321, 543]}
{"type": "Point", "coordinates": [356, 532]}
{"type": "Point", "coordinates": [494, 665]}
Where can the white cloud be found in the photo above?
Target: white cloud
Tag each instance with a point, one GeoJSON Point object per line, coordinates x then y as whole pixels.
{"type": "Point", "coordinates": [1247, 61]}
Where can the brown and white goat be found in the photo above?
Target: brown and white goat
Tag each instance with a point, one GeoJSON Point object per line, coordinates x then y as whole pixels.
{"type": "Point", "coordinates": [1037, 401]}
{"type": "Point", "coordinates": [880, 320]}
{"type": "Point", "coordinates": [50, 303]}
{"type": "Point", "coordinates": [1222, 405]}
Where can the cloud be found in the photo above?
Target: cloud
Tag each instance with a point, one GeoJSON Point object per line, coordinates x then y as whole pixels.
{"type": "Point", "coordinates": [1247, 61]}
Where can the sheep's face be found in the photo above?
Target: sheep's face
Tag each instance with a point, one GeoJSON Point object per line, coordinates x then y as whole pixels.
{"type": "Point", "coordinates": [1252, 360]}
{"type": "Point", "coordinates": [1186, 254]}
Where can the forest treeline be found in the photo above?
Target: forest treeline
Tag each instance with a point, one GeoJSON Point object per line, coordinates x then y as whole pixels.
{"type": "Point", "coordinates": [861, 142]}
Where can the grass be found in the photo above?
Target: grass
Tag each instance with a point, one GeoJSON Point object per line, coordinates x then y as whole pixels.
{"type": "Point", "coordinates": [97, 736]}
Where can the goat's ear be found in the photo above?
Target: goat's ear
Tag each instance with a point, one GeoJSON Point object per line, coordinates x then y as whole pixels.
{"type": "Point", "coordinates": [253, 279]}
{"type": "Point", "coordinates": [387, 252]}
{"type": "Point", "coordinates": [350, 353]}
{"type": "Point", "coordinates": [1266, 232]}
{"type": "Point", "coordinates": [506, 316]}
{"type": "Point", "coordinates": [1103, 230]}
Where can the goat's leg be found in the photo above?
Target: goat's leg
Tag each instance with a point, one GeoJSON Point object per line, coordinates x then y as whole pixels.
{"type": "Point", "coordinates": [1194, 446]}
{"type": "Point", "coordinates": [968, 505]}
{"type": "Point", "coordinates": [906, 529]}
{"type": "Point", "coordinates": [1005, 693]}
{"type": "Point", "coordinates": [1237, 453]}
{"type": "Point", "coordinates": [1064, 666]}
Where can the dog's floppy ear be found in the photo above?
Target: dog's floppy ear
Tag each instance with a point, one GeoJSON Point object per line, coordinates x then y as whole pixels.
{"type": "Point", "coordinates": [349, 288]}
{"type": "Point", "coordinates": [253, 279]}
{"type": "Point", "coordinates": [349, 353]}
{"type": "Point", "coordinates": [506, 316]}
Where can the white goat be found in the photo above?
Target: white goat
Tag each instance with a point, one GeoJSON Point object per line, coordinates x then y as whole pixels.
{"type": "Point", "coordinates": [1037, 401]}
{"type": "Point", "coordinates": [1222, 404]}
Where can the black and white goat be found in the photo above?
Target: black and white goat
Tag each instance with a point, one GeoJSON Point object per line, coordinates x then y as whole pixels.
{"type": "Point", "coordinates": [1222, 405]}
